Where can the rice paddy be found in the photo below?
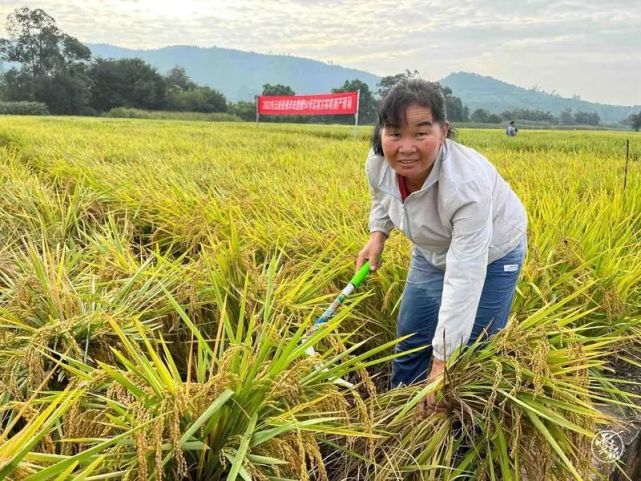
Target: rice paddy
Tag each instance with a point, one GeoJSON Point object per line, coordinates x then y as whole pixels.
{"type": "Point", "coordinates": [157, 279]}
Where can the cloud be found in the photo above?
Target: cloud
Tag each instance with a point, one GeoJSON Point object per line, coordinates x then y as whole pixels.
{"type": "Point", "coordinates": [572, 46]}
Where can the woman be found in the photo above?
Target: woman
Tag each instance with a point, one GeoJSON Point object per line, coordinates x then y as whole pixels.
{"type": "Point", "coordinates": [467, 226]}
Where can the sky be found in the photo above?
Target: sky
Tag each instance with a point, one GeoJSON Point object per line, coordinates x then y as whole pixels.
{"type": "Point", "coordinates": [589, 48]}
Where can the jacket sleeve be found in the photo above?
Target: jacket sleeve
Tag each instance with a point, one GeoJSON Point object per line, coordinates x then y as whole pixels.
{"type": "Point", "coordinates": [465, 267]}
{"type": "Point", "coordinates": [379, 220]}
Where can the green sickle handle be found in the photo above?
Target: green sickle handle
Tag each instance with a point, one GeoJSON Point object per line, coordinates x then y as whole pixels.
{"type": "Point", "coordinates": [360, 276]}
{"type": "Point", "coordinates": [356, 281]}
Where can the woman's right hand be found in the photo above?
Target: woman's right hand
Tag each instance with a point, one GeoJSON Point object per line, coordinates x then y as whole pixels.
{"type": "Point", "coordinates": [372, 251]}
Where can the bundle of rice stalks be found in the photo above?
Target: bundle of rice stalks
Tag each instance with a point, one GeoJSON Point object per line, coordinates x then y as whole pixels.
{"type": "Point", "coordinates": [525, 404]}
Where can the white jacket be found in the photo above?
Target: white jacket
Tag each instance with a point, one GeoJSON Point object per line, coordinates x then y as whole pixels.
{"type": "Point", "coordinates": [463, 218]}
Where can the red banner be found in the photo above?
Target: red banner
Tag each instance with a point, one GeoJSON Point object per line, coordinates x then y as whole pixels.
{"type": "Point", "coordinates": [324, 104]}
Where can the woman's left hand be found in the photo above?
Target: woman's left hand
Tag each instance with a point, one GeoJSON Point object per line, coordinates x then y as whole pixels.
{"type": "Point", "coordinates": [429, 404]}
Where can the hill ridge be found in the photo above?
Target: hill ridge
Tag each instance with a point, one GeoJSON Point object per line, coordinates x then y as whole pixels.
{"type": "Point", "coordinates": [240, 74]}
{"type": "Point", "coordinates": [482, 91]}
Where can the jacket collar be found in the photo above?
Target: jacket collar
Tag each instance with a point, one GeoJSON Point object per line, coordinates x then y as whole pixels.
{"type": "Point", "coordinates": [435, 173]}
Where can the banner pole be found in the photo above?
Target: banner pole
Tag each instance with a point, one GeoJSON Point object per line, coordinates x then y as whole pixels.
{"type": "Point", "coordinates": [358, 101]}
{"type": "Point", "coordinates": [257, 114]}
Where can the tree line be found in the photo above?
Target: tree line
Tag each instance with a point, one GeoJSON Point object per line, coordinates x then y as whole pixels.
{"type": "Point", "coordinates": [56, 71]}
{"type": "Point", "coordinates": [567, 117]}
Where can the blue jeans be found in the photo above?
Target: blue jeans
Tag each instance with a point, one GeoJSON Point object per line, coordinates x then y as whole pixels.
{"type": "Point", "coordinates": [422, 299]}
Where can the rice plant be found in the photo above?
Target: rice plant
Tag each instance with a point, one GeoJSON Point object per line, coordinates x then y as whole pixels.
{"type": "Point", "coordinates": [157, 280]}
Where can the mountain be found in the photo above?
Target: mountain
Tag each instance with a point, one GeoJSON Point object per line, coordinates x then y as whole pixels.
{"type": "Point", "coordinates": [478, 91]}
{"type": "Point", "coordinates": [240, 75]}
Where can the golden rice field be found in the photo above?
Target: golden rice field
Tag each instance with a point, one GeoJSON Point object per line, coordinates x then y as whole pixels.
{"type": "Point", "coordinates": [157, 277]}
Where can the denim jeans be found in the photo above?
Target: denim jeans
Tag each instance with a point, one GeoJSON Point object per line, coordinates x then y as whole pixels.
{"type": "Point", "coordinates": [422, 299]}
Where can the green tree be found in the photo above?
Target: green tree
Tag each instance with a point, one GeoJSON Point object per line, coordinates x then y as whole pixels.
{"type": "Point", "coordinates": [17, 85]}
{"type": "Point", "coordinates": [456, 111]}
{"type": "Point", "coordinates": [635, 121]}
{"type": "Point", "coordinates": [366, 102]}
{"type": "Point", "coordinates": [38, 44]}
{"type": "Point", "coordinates": [66, 92]}
{"type": "Point", "coordinates": [481, 116]}
{"type": "Point", "coordinates": [177, 79]}
{"type": "Point", "coordinates": [587, 118]}
{"type": "Point", "coordinates": [566, 117]}
{"type": "Point", "coordinates": [386, 83]}
{"type": "Point", "coordinates": [197, 99]}
{"type": "Point", "coordinates": [129, 82]}
{"type": "Point", "coordinates": [183, 94]}
{"type": "Point", "coordinates": [534, 115]}
{"type": "Point", "coordinates": [52, 63]}
{"type": "Point", "coordinates": [278, 89]}
{"type": "Point", "coordinates": [243, 109]}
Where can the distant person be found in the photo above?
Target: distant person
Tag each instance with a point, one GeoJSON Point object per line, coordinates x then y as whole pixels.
{"type": "Point", "coordinates": [511, 129]}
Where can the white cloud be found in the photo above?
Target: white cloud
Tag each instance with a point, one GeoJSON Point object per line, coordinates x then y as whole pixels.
{"type": "Point", "coordinates": [588, 47]}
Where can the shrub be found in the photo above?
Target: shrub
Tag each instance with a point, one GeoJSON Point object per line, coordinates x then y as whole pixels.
{"type": "Point", "coordinates": [199, 99]}
{"type": "Point", "coordinates": [129, 113]}
{"type": "Point", "coordinates": [23, 108]}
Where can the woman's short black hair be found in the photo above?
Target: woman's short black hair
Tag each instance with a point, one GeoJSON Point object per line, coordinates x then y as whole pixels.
{"type": "Point", "coordinates": [391, 108]}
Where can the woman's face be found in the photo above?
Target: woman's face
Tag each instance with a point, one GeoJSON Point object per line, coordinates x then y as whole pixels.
{"type": "Point", "coordinates": [411, 148]}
